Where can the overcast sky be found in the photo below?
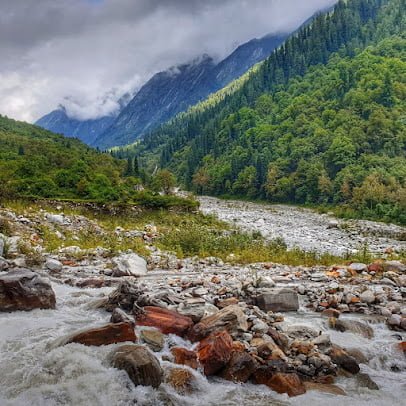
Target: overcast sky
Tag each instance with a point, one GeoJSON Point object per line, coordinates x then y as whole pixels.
{"type": "Point", "coordinates": [86, 54]}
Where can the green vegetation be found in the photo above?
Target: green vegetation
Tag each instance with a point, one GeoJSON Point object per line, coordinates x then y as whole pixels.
{"type": "Point", "coordinates": [35, 163]}
{"type": "Point", "coordinates": [320, 122]}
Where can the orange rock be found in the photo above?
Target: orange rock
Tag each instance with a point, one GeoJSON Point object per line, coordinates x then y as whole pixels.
{"type": "Point", "coordinates": [238, 346]}
{"type": "Point", "coordinates": [167, 321]}
{"type": "Point", "coordinates": [375, 267]}
{"type": "Point", "coordinates": [240, 367]}
{"type": "Point", "coordinates": [333, 274]}
{"type": "Point", "coordinates": [185, 357]}
{"type": "Point", "coordinates": [302, 347]}
{"type": "Point", "coordinates": [402, 346]}
{"type": "Point", "coordinates": [90, 283]}
{"type": "Point", "coordinates": [181, 380]}
{"type": "Point", "coordinates": [355, 299]}
{"type": "Point", "coordinates": [105, 335]}
{"type": "Point", "coordinates": [227, 302]}
{"type": "Point", "coordinates": [214, 352]}
{"type": "Point", "coordinates": [282, 383]}
{"type": "Point", "coordinates": [215, 279]}
{"type": "Point", "coordinates": [323, 304]}
{"type": "Point", "coordinates": [331, 313]}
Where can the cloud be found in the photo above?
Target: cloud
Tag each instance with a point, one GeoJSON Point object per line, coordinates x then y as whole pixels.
{"type": "Point", "coordinates": [86, 54]}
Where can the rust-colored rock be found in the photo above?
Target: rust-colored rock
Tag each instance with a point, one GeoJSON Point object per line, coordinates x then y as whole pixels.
{"type": "Point", "coordinates": [181, 380]}
{"type": "Point", "coordinates": [281, 382]}
{"type": "Point", "coordinates": [167, 321]}
{"type": "Point", "coordinates": [231, 318]}
{"type": "Point", "coordinates": [22, 289]}
{"type": "Point", "coordinates": [185, 357]}
{"type": "Point", "coordinates": [302, 347]}
{"type": "Point", "coordinates": [105, 335]}
{"type": "Point", "coordinates": [331, 313]}
{"type": "Point", "coordinates": [91, 283]}
{"type": "Point", "coordinates": [240, 367]}
{"type": "Point", "coordinates": [214, 352]}
{"type": "Point", "coordinates": [343, 359]}
{"type": "Point", "coordinates": [375, 267]}
{"type": "Point", "coordinates": [402, 346]}
{"type": "Point", "coordinates": [227, 302]}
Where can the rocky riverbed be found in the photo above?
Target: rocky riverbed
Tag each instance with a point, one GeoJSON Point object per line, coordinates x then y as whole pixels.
{"type": "Point", "coordinates": [306, 229]}
{"type": "Point", "coordinates": [79, 327]}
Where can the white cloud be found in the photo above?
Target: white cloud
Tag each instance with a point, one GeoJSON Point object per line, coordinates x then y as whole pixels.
{"type": "Point", "coordinates": [86, 54]}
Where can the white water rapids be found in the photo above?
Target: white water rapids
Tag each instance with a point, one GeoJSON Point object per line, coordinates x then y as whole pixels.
{"type": "Point", "coordinates": [35, 372]}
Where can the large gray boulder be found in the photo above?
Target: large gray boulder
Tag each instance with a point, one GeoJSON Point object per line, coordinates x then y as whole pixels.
{"type": "Point", "coordinates": [129, 265]}
{"type": "Point", "coordinates": [278, 300]}
{"type": "Point", "coordinates": [141, 365]}
{"type": "Point", "coordinates": [22, 289]}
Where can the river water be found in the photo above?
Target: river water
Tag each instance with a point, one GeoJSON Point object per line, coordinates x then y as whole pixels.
{"type": "Point", "coordinates": [35, 371]}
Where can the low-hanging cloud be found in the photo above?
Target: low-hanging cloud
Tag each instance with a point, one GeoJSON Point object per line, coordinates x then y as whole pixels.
{"type": "Point", "coordinates": [87, 54]}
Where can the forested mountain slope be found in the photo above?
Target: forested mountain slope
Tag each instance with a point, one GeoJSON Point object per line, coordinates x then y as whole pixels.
{"type": "Point", "coordinates": [303, 134]}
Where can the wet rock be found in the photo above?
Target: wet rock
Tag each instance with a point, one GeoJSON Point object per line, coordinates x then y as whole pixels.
{"type": "Point", "coordinates": [240, 367]}
{"type": "Point", "coordinates": [120, 316]}
{"type": "Point", "coordinates": [53, 265]}
{"type": "Point", "coordinates": [281, 382]}
{"type": "Point", "coordinates": [322, 340]}
{"type": "Point", "coordinates": [353, 326]}
{"type": "Point", "coordinates": [105, 335]}
{"type": "Point", "coordinates": [129, 265]}
{"type": "Point", "coordinates": [268, 350]}
{"type": "Point", "coordinates": [193, 308]}
{"type": "Point", "coordinates": [282, 300]}
{"type": "Point", "coordinates": [325, 388]}
{"type": "Point", "coordinates": [366, 381]}
{"type": "Point", "coordinates": [95, 283]}
{"type": "Point", "coordinates": [181, 379]}
{"type": "Point", "coordinates": [184, 356]}
{"type": "Point", "coordinates": [22, 289]}
{"type": "Point", "coordinates": [331, 313]}
{"type": "Point", "coordinates": [153, 338]}
{"type": "Point", "coordinates": [141, 365]}
{"type": "Point", "coordinates": [214, 352]}
{"type": "Point", "coordinates": [343, 359]}
{"type": "Point", "coordinates": [167, 321]}
{"type": "Point", "coordinates": [231, 318]}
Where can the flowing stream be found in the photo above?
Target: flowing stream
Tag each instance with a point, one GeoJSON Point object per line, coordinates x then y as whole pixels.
{"type": "Point", "coordinates": [35, 371]}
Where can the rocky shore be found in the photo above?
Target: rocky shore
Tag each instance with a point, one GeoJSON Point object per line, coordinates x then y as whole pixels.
{"type": "Point", "coordinates": [169, 322]}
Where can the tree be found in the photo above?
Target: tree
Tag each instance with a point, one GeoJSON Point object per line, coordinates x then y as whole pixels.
{"type": "Point", "coordinates": [164, 181]}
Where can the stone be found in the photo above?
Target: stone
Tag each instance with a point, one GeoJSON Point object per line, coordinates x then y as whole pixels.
{"type": "Point", "coordinates": [193, 308]}
{"type": "Point", "coordinates": [366, 381]}
{"type": "Point", "coordinates": [376, 267]}
{"type": "Point", "coordinates": [353, 326]}
{"type": "Point", "coordinates": [4, 265]}
{"type": "Point", "coordinates": [367, 297]}
{"type": "Point", "coordinates": [214, 352]}
{"type": "Point", "coordinates": [282, 300]}
{"type": "Point", "coordinates": [319, 277]}
{"type": "Point", "coordinates": [265, 282]}
{"type": "Point", "coordinates": [129, 265]}
{"type": "Point", "coordinates": [53, 265]}
{"type": "Point", "coordinates": [153, 338]}
{"type": "Point", "coordinates": [141, 365]}
{"type": "Point", "coordinates": [331, 313]}
{"type": "Point", "coordinates": [2, 245]}
{"type": "Point", "coordinates": [343, 359]}
{"type": "Point", "coordinates": [231, 318]}
{"type": "Point", "coordinates": [395, 320]}
{"type": "Point", "coordinates": [56, 218]}
{"type": "Point", "coordinates": [181, 379]}
{"type": "Point", "coordinates": [95, 283]}
{"type": "Point", "coordinates": [394, 266]}
{"type": "Point", "coordinates": [120, 316]}
{"type": "Point", "coordinates": [358, 267]}
{"type": "Point", "coordinates": [227, 302]}
{"type": "Point", "coordinates": [332, 224]}
{"type": "Point", "coordinates": [184, 356]}
{"type": "Point", "coordinates": [105, 335]}
{"type": "Point", "coordinates": [167, 321]}
{"type": "Point", "coordinates": [280, 382]}
{"type": "Point", "coordinates": [22, 289]}
{"type": "Point", "coordinates": [240, 367]}
{"type": "Point", "coordinates": [325, 388]}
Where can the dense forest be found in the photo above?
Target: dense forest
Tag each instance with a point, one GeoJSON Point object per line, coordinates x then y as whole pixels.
{"type": "Point", "coordinates": [35, 163]}
{"type": "Point", "coordinates": [322, 121]}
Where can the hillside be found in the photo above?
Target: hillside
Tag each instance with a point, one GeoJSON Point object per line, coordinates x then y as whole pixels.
{"type": "Point", "coordinates": [298, 132]}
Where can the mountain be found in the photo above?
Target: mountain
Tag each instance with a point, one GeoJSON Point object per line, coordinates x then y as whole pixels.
{"type": "Point", "coordinates": [171, 92]}
{"type": "Point", "coordinates": [59, 122]}
{"type": "Point", "coordinates": [320, 121]}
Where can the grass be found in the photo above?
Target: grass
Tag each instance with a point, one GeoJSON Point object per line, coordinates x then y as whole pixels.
{"type": "Point", "coordinates": [185, 233]}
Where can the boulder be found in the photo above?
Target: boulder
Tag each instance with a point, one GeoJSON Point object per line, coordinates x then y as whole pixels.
{"type": "Point", "coordinates": [22, 289]}
{"type": "Point", "coordinates": [167, 321]}
{"type": "Point", "coordinates": [353, 326]}
{"type": "Point", "coordinates": [221, 304]}
{"type": "Point", "coordinates": [53, 265]}
{"type": "Point", "coordinates": [366, 381]}
{"type": "Point", "coordinates": [193, 308]}
{"type": "Point", "coordinates": [56, 218]}
{"type": "Point", "coordinates": [325, 388]}
{"type": "Point", "coordinates": [367, 297]}
{"type": "Point", "coordinates": [129, 265]}
{"type": "Point", "coordinates": [282, 300]}
{"type": "Point", "coordinates": [120, 316]}
{"type": "Point", "coordinates": [214, 352]}
{"type": "Point", "coordinates": [186, 357]}
{"type": "Point", "coordinates": [280, 382]}
{"type": "Point", "coordinates": [4, 265]}
{"type": "Point", "coordinates": [181, 379]}
{"type": "Point", "coordinates": [154, 339]}
{"type": "Point", "coordinates": [141, 365]}
{"type": "Point", "coordinates": [104, 335]}
{"type": "Point", "coordinates": [394, 266]}
{"type": "Point", "coordinates": [240, 367]}
{"type": "Point", "coordinates": [357, 267]}
{"type": "Point", "coordinates": [231, 318]}
{"type": "Point", "coordinates": [343, 359]}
